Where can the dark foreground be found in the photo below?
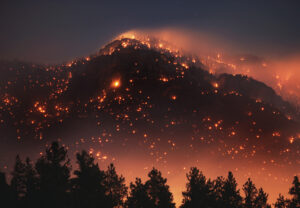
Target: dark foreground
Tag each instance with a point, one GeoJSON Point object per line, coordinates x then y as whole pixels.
{"type": "Point", "coordinates": [48, 183]}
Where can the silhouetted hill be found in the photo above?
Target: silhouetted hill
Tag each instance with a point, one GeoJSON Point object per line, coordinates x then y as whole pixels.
{"type": "Point", "coordinates": [129, 86]}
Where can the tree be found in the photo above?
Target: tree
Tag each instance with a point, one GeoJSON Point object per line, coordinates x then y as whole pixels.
{"type": "Point", "coordinates": [199, 191]}
{"type": "Point", "coordinates": [281, 202]}
{"type": "Point", "coordinates": [115, 187]}
{"type": "Point", "coordinates": [18, 181]}
{"type": "Point", "coordinates": [218, 191]}
{"type": "Point", "coordinates": [139, 197]}
{"type": "Point", "coordinates": [87, 187]}
{"type": "Point", "coordinates": [262, 199]}
{"type": "Point", "coordinates": [254, 198]}
{"type": "Point", "coordinates": [158, 190]}
{"type": "Point", "coordinates": [54, 171]}
{"type": "Point", "coordinates": [5, 192]}
{"type": "Point", "coordinates": [31, 184]}
{"type": "Point", "coordinates": [230, 195]}
{"type": "Point", "coordinates": [295, 192]}
{"type": "Point", "coordinates": [24, 183]}
{"type": "Point", "coordinates": [250, 194]}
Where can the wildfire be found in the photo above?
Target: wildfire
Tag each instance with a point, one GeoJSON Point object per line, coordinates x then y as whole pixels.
{"type": "Point", "coordinates": [116, 83]}
{"type": "Point", "coordinates": [164, 79]}
{"type": "Point", "coordinates": [216, 85]}
{"type": "Point", "coordinates": [173, 97]}
{"type": "Point", "coordinates": [124, 44]}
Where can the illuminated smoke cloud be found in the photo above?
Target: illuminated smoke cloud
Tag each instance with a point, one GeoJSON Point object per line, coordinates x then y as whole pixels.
{"type": "Point", "coordinates": [222, 56]}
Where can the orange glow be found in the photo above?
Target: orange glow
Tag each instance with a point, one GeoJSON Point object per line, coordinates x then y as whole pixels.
{"type": "Point", "coordinates": [216, 85]}
{"type": "Point", "coordinates": [230, 147]}
{"type": "Point", "coordinates": [116, 83]}
{"type": "Point", "coordinates": [185, 65]}
{"type": "Point", "coordinates": [124, 44]}
{"type": "Point", "coordinates": [164, 79]}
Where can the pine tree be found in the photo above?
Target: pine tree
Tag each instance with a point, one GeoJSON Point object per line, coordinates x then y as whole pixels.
{"type": "Point", "coordinates": [254, 198]}
{"type": "Point", "coordinates": [295, 192]}
{"type": "Point", "coordinates": [218, 191]}
{"type": "Point", "coordinates": [54, 171]}
{"type": "Point", "coordinates": [262, 199]}
{"type": "Point", "coordinates": [24, 183]}
{"type": "Point", "coordinates": [87, 187]}
{"type": "Point", "coordinates": [18, 181]}
{"type": "Point", "coordinates": [281, 202]}
{"type": "Point", "coordinates": [250, 194]}
{"type": "Point", "coordinates": [31, 184]}
{"type": "Point", "coordinates": [158, 190]}
{"type": "Point", "coordinates": [115, 187]}
{"type": "Point", "coordinates": [199, 191]}
{"type": "Point", "coordinates": [230, 194]}
{"type": "Point", "coordinates": [139, 197]}
{"type": "Point", "coordinates": [6, 199]}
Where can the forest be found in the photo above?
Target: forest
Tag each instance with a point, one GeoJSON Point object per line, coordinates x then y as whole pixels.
{"type": "Point", "coordinates": [49, 182]}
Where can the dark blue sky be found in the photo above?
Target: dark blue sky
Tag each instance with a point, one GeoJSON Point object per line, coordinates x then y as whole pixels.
{"type": "Point", "coordinates": [57, 30]}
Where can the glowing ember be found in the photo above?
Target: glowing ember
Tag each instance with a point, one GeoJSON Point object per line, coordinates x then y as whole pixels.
{"type": "Point", "coordinates": [216, 85]}
{"type": "Point", "coordinates": [116, 83]}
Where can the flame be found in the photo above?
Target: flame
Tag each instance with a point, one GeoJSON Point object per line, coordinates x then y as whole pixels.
{"type": "Point", "coordinates": [116, 83]}
{"type": "Point", "coordinates": [216, 85]}
{"type": "Point", "coordinates": [173, 97]}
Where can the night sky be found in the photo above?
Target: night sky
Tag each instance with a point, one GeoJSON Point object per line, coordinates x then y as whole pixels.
{"type": "Point", "coordinates": [212, 84]}
{"type": "Point", "coordinates": [56, 31]}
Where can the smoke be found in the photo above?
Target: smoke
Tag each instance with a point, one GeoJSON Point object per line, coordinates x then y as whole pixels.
{"type": "Point", "coordinates": [188, 41]}
{"type": "Point", "coordinates": [221, 55]}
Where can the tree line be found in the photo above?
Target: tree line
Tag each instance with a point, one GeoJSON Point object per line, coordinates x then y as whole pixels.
{"type": "Point", "coordinates": [47, 183]}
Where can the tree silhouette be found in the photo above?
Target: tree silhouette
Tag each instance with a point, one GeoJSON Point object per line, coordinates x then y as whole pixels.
{"type": "Point", "coordinates": [115, 187]}
{"type": "Point", "coordinates": [18, 181]}
{"type": "Point", "coordinates": [54, 171]}
{"type": "Point", "coordinates": [153, 194]}
{"type": "Point", "coordinates": [49, 185]}
{"type": "Point", "coordinates": [295, 192]}
{"type": "Point", "coordinates": [218, 191]}
{"type": "Point", "coordinates": [5, 192]}
{"type": "Point", "coordinates": [31, 184]}
{"type": "Point", "coordinates": [250, 194]}
{"type": "Point", "coordinates": [87, 187]}
{"type": "Point", "coordinates": [281, 202]}
{"type": "Point", "coordinates": [261, 199]}
{"type": "Point", "coordinates": [158, 190]}
{"type": "Point", "coordinates": [230, 195]}
{"type": "Point", "coordinates": [139, 197]}
{"type": "Point", "coordinates": [199, 191]}
{"type": "Point", "coordinates": [24, 183]}
{"type": "Point", "coordinates": [254, 198]}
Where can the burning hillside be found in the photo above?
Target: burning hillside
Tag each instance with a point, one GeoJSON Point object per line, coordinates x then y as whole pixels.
{"type": "Point", "coordinates": [142, 93]}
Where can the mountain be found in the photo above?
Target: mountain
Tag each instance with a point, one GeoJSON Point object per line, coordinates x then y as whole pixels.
{"type": "Point", "coordinates": [131, 90]}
